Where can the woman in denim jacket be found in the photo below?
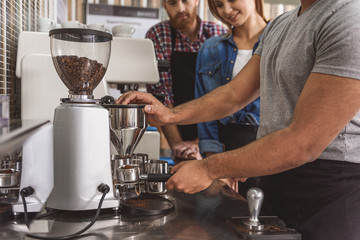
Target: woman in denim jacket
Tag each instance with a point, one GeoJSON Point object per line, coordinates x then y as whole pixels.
{"type": "Point", "coordinates": [219, 60]}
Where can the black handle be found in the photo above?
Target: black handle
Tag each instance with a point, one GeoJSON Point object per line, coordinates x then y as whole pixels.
{"type": "Point", "coordinates": [108, 100]}
{"type": "Point", "coordinates": [152, 177]}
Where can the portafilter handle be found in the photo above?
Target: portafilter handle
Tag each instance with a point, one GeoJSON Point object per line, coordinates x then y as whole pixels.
{"type": "Point", "coordinates": [156, 177]}
{"type": "Point", "coordinates": [255, 197]}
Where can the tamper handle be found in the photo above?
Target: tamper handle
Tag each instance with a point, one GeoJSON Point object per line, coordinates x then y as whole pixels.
{"type": "Point", "coordinates": [255, 197]}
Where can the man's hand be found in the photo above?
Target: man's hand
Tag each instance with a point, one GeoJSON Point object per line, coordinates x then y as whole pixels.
{"type": "Point", "coordinates": [190, 177]}
{"type": "Point", "coordinates": [186, 150]}
{"type": "Point", "coordinates": [232, 183]}
{"type": "Point", "coordinates": [157, 113]}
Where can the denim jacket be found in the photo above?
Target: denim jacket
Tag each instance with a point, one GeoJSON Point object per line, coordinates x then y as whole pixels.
{"type": "Point", "coordinates": [214, 67]}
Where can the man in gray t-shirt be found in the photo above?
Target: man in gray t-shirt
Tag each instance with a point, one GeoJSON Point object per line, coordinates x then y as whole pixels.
{"type": "Point", "coordinates": [324, 39]}
{"type": "Point", "coordinates": [306, 71]}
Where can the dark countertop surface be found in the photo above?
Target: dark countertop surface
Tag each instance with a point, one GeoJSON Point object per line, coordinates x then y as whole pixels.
{"type": "Point", "coordinates": [197, 216]}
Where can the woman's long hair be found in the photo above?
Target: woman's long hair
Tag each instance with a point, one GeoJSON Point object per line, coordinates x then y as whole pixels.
{"type": "Point", "coordinates": [259, 4]}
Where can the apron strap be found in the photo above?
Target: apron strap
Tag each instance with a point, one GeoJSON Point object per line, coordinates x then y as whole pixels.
{"type": "Point", "coordinates": [173, 38]}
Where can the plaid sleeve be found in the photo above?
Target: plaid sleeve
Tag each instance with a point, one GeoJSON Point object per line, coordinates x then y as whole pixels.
{"type": "Point", "coordinates": [220, 29]}
{"type": "Point", "coordinates": [158, 36]}
{"type": "Point", "coordinates": [216, 29]}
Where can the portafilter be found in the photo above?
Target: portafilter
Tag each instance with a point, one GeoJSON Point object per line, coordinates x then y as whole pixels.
{"type": "Point", "coordinates": [131, 173]}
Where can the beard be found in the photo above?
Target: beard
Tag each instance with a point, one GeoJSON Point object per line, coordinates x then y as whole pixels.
{"type": "Point", "coordinates": [181, 24]}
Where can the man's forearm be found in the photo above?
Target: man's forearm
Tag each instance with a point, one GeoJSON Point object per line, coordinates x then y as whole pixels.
{"type": "Point", "coordinates": [319, 116]}
{"type": "Point", "coordinates": [271, 154]}
{"type": "Point", "coordinates": [171, 132]}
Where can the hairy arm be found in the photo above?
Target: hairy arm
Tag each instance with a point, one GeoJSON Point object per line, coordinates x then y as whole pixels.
{"type": "Point", "coordinates": [180, 149]}
{"type": "Point", "coordinates": [326, 104]}
{"type": "Point", "coordinates": [171, 132]}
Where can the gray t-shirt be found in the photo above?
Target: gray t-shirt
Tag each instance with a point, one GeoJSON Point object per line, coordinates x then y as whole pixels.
{"type": "Point", "coordinates": [323, 39]}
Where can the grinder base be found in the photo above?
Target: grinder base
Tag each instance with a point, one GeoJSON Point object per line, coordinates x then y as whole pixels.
{"type": "Point", "coordinates": [274, 229]}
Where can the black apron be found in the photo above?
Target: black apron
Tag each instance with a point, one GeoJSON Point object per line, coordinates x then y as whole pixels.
{"type": "Point", "coordinates": [234, 136]}
{"type": "Point", "coordinates": [319, 199]}
{"type": "Point", "coordinates": [182, 68]}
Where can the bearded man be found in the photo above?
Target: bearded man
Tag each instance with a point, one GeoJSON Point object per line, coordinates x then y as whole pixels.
{"type": "Point", "coordinates": [178, 41]}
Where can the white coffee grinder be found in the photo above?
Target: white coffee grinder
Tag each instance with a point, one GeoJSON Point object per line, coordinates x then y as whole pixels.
{"type": "Point", "coordinates": [81, 124]}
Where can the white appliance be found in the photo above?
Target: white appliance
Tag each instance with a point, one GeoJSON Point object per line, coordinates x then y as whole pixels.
{"type": "Point", "coordinates": [81, 128]}
{"type": "Point", "coordinates": [41, 87]}
{"type": "Point", "coordinates": [133, 62]}
{"type": "Point", "coordinates": [37, 169]}
{"type": "Point", "coordinates": [81, 124]}
{"type": "Point", "coordinates": [81, 157]}
{"type": "Point", "coordinates": [30, 173]}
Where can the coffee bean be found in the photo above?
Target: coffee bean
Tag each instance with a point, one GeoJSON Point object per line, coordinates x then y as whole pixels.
{"type": "Point", "coordinates": [80, 74]}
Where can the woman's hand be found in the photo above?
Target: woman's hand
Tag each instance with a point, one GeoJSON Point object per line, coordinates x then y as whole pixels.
{"type": "Point", "coordinates": [186, 150]}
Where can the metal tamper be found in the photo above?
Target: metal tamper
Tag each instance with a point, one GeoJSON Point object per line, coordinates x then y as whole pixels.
{"type": "Point", "coordinates": [255, 197]}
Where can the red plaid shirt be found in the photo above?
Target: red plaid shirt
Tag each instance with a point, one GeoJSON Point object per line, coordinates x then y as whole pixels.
{"type": "Point", "coordinates": [160, 34]}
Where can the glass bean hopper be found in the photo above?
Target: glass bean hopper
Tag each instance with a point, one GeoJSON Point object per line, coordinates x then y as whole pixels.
{"type": "Point", "coordinates": [80, 57]}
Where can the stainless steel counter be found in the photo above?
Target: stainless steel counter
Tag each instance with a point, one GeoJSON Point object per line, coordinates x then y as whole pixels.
{"type": "Point", "coordinates": [199, 216]}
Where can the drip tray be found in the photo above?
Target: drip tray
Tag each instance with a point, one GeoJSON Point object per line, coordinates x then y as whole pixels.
{"type": "Point", "coordinates": [146, 204]}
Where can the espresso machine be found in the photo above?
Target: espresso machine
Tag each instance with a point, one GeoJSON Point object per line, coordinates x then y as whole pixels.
{"type": "Point", "coordinates": [132, 173]}
{"type": "Point", "coordinates": [26, 166]}
{"type": "Point", "coordinates": [81, 123]}
{"type": "Point", "coordinates": [132, 65]}
{"type": "Point", "coordinates": [127, 126]}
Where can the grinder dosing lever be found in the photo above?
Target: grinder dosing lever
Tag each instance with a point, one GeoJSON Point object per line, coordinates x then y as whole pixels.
{"type": "Point", "coordinates": [255, 197]}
